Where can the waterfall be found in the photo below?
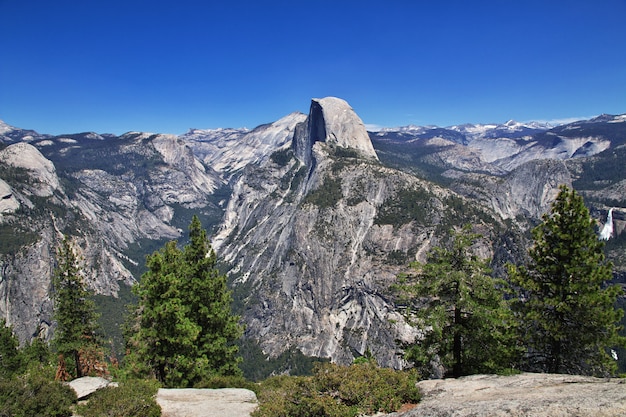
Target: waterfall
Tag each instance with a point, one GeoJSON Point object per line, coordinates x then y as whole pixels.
{"type": "Point", "coordinates": [607, 229]}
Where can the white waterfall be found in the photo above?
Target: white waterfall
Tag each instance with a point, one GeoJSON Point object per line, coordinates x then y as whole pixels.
{"type": "Point", "coordinates": [607, 229]}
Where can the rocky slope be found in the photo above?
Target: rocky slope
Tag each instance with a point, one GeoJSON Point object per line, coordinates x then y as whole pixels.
{"type": "Point", "coordinates": [228, 151]}
{"type": "Point", "coordinates": [315, 215]}
{"type": "Point", "coordinates": [112, 195]}
{"type": "Point", "coordinates": [318, 234]}
{"type": "Point", "coordinates": [498, 149]}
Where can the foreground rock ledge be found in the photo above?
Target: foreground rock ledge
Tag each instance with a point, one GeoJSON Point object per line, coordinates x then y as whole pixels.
{"type": "Point", "coordinates": [536, 395]}
{"type": "Point", "coordinates": [188, 402]}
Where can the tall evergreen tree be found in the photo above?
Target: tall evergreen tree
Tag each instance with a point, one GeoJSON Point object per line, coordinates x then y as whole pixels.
{"type": "Point", "coordinates": [11, 358]}
{"type": "Point", "coordinates": [74, 309]}
{"type": "Point", "coordinates": [467, 324]}
{"type": "Point", "coordinates": [184, 329]}
{"type": "Point", "coordinates": [567, 309]}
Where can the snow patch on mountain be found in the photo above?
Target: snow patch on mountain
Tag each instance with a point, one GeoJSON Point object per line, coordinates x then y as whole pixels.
{"type": "Point", "coordinates": [510, 129]}
{"type": "Point", "coordinates": [474, 130]}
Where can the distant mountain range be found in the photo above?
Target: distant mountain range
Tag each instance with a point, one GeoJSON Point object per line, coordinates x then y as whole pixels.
{"type": "Point", "coordinates": [313, 216]}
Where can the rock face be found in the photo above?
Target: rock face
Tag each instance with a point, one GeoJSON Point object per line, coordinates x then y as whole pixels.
{"type": "Point", "coordinates": [8, 202]}
{"type": "Point", "coordinates": [228, 151]}
{"type": "Point", "coordinates": [336, 123]}
{"type": "Point", "coordinates": [535, 395]}
{"type": "Point", "coordinates": [317, 236]}
{"type": "Point", "coordinates": [111, 195]}
{"type": "Point", "coordinates": [27, 157]}
{"type": "Point", "coordinates": [525, 193]}
{"type": "Point", "coordinates": [232, 402]}
{"type": "Point", "coordinates": [331, 120]}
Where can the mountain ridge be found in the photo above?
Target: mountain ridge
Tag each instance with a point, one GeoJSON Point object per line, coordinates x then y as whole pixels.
{"type": "Point", "coordinates": [315, 226]}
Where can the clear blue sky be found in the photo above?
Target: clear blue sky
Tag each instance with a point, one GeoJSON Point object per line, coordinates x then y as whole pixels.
{"type": "Point", "coordinates": [166, 66]}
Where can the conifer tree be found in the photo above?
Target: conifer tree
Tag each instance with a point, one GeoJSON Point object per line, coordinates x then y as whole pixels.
{"type": "Point", "coordinates": [11, 358]}
{"type": "Point", "coordinates": [566, 308]}
{"type": "Point", "coordinates": [184, 330]}
{"type": "Point", "coordinates": [467, 325]}
{"type": "Point", "coordinates": [74, 309]}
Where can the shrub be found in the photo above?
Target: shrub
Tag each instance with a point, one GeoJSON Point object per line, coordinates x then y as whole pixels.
{"type": "Point", "coordinates": [131, 398]}
{"type": "Point", "coordinates": [35, 394]}
{"type": "Point", "coordinates": [287, 396]}
{"type": "Point", "coordinates": [338, 391]}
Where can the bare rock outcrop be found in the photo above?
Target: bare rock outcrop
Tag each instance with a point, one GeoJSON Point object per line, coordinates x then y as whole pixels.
{"type": "Point", "coordinates": [87, 385]}
{"type": "Point", "coordinates": [8, 202]}
{"type": "Point", "coordinates": [190, 402]}
{"type": "Point", "coordinates": [25, 156]}
{"type": "Point", "coordinates": [332, 121]}
{"type": "Point", "coordinates": [341, 125]}
{"type": "Point", "coordinates": [536, 395]}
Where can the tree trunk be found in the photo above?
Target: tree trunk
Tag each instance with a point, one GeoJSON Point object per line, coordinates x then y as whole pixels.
{"type": "Point", "coordinates": [555, 360]}
{"type": "Point", "coordinates": [79, 371]}
{"type": "Point", "coordinates": [457, 347]}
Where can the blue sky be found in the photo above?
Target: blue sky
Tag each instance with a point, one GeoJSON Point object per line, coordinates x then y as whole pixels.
{"type": "Point", "coordinates": [167, 66]}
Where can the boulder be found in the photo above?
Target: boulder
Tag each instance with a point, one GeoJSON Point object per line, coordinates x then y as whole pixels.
{"type": "Point", "coordinates": [537, 395]}
{"type": "Point", "coordinates": [87, 385]}
{"type": "Point", "coordinates": [191, 402]}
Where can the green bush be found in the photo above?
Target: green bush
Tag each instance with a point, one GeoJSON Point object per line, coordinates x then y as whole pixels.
{"type": "Point", "coordinates": [287, 396]}
{"type": "Point", "coordinates": [131, 398]}
{"type": "Point", "coordinates": [338, 391]}
{"type": "Point", "coordinates": [35, 394]}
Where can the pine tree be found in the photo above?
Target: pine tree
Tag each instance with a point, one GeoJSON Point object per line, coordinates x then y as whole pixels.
{"type": "Point", "coordinates": [184, 330]}
{"type": "Point", "coordinates": [567, 309]}
{"type": "Point", "coordinates": [11, 358]}
{"type": "Point", "coordinates": [211, 301]}
{"type": "Point", "coordinates": [74, 309]}
{"type": "Point", "coordinates": [466, 322]}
